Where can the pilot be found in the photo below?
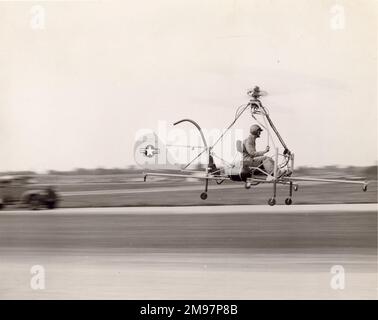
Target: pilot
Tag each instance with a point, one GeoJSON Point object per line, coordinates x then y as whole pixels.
{"type": "Point", "coordinates": [253, 158]}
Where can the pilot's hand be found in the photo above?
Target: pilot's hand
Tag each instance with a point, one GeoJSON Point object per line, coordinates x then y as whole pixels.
{"type": "Point", "coordinates": [267, 149]}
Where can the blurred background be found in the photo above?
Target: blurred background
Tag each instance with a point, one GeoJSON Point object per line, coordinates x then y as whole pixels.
{"type": "Point", "coordinates": [80, 78]}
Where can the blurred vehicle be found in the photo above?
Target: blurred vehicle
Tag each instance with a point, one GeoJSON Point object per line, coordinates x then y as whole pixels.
{"type": "Point", "coordinates": [23, 191]}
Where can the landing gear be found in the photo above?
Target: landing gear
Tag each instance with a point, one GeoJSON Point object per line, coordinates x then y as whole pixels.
{"type": "Point", "coordinates": [296, 187]}
{"type": "Point", "coordinates": [364, 188]}
{"type": "Point", "coordinates": [272, 201]}
{"type": "Point", "coordinates": [288, 201]}
{"type": "Point", "coordinates": [204, 194]}
{"type": "Point", "coordinates": [248, 185]}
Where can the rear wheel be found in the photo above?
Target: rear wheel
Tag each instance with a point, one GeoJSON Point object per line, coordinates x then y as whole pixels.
{"type": "Point", "coordinates": [272, 201]}
{"type": "Point", "coordinates": [288, 201]}
{"type": "Point", "coordinates": [203, 195]}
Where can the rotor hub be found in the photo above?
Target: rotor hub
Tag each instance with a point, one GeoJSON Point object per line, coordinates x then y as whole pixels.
{"type": "Point", "coordinates": [256, 93]}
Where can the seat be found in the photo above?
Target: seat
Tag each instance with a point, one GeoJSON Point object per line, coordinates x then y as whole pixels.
{"type": "Point", "coordinates": [239, 146]}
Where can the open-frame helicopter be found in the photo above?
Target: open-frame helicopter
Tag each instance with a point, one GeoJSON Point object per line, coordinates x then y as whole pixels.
{"type": "Point", "coordinates": [282, 174]}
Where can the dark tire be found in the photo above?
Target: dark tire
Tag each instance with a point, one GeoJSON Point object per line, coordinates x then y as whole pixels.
{"type": "Point", "coordinates": [288, 201]}
{"type": "Point", "coordinates": [203, 195]}
{"type": "Point", "coordinates": [272, 201]}
{"type": "Point", "coordinates": [1, 206]}
{"type": "Point", "coordinates": [51, 205]}
{"type": "Point", "coordinates": [51, 201]}
{"type": "Point", "coordinates": [34, 202]}
{"type": "Point", "coordinates": [364, 188]}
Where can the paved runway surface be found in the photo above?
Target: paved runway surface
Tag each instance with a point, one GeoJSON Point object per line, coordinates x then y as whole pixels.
{"type": "Point", "coordinates": [225, 252]}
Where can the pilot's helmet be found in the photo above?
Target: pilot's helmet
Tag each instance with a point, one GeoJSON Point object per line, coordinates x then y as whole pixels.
{"type": "Point", "coordinates": [255, 128]}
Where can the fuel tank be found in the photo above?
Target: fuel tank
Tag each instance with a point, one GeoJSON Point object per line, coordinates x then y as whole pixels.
{"type": "Point", "coordinates": [237, 173]}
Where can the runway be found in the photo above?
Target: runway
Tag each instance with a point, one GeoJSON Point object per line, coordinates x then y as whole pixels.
{"type": "Point", "coordinates": [144, 190]}
{"type": "Point", "coordinates": [212, 252]}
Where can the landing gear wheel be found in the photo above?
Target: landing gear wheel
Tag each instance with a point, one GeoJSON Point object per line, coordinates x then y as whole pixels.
{"type": "Point", "coordinates": [296, 188]}
{"type": "Point", "coordinates": [203, 195]}
{"type": "Point", "coordinates": [364, 188]}
{"type": "Point", "coordinates": [272, 201]}
{"type": "Point", "coordinates": [288, 201]}
{"type": "Point", "coordinates": [248, 185]}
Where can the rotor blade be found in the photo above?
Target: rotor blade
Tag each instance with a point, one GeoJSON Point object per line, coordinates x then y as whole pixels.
{"type": "Point", "coordinates": [262, 93]}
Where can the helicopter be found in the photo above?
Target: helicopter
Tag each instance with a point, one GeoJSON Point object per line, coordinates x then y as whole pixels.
{"type": "Point", "coordinates": [149, 150]}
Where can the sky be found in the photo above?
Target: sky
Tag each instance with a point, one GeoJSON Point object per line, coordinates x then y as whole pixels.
{"type": "Point", "coordinates": [79, 79]}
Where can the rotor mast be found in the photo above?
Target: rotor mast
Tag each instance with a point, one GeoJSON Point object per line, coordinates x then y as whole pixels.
{"type": "Point", "coordinates": [256, 104]}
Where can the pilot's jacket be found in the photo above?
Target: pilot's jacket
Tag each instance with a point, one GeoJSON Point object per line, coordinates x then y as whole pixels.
{"type": "Point", "coordinates": [249, 149]}
{"type": "Point", "coordinates": [253, 158]}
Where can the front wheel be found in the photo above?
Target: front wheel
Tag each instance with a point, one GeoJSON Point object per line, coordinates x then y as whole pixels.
{"type": "Point", "coordinates": [51, 205]}
{"type": "Point", "coordinates": [272, 201]}
{"type": "Point", "coordinates": [34, 202]}
{"type": "Point", "coordinates": [51, 199]}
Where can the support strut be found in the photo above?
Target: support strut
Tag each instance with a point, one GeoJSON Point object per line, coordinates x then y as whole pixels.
{"type": "Point", "coordinates": [210, 162]}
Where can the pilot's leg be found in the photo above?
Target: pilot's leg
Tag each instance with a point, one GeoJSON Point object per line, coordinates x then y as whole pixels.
{"type": "Point", "coordinates": [266, 162]}
{"type": "Point", "coordinates": [246, 171]}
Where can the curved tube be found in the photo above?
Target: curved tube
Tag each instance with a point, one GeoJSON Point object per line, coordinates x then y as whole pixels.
{"type": "Point", "coordinates": [197, 126]}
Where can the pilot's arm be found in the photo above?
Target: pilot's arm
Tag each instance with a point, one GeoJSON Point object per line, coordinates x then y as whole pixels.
{"type": "Point", "coordinates": [250, 148]}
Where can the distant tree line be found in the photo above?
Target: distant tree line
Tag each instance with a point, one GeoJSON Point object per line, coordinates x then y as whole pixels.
{"type": "Point", "coordinates": [369, 172]}
{"type": "Point", "coordinates": [96, 171]}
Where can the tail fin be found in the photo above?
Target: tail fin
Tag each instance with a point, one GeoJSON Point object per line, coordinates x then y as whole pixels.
{"type": "Point", "coordinates": [152, 154]}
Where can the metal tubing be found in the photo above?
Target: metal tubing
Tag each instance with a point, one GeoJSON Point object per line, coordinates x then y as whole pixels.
{"type": "Point", "coordinates": [275, 174]}
{"type": "Point", "coordinates": [196, 125]}
{"type": "Point", "coordinates": [324, 180]}
{"type": "Point", "coordinates": [275, 164]}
